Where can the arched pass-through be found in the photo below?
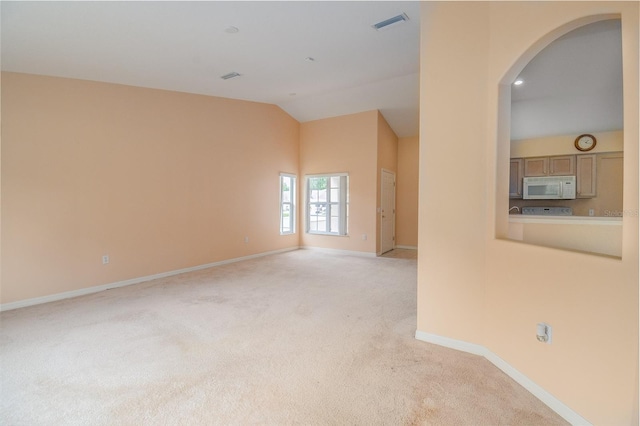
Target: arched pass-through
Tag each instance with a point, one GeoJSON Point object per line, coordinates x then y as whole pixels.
{"type": "Point", "coordinates": [568, 44]}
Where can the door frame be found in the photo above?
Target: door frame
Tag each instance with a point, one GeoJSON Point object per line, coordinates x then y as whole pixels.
{"type": "Point", "coordinates": [393, 222]}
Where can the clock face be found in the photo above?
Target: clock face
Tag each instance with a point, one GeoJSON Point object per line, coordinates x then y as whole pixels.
{"type": "Point", "coordinates": [585, 142]}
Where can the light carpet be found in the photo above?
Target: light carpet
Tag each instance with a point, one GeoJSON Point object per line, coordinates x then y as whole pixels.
{"type": "Point", "coordinates": [302, 337]}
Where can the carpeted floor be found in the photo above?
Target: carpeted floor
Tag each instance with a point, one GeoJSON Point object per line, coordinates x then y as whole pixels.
{"type": "Point", "coordinates": [302, 337]}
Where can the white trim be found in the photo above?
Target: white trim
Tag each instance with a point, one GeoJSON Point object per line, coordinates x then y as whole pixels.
{"type": "Point", "coordinates": [447, 342]}
{"type": "Point", "coordinates": [342, 252]}
{"type": "Point", "coordinates": [99, 288]}
{"type": "Point", "coordinates": [551, 401]}
{"type": "Point", "coordinates": [407, 247]}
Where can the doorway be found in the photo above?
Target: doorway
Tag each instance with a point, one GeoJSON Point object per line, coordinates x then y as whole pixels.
{"type": "Point", "coordinates": [387, 211]}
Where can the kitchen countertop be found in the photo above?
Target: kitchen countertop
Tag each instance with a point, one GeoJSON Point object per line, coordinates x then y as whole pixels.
{"type": "Point", "coordinates": [565, 220]}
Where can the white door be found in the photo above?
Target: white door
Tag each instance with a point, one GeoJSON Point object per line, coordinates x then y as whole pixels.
{"type": "Point", "coordinates": [387, 211]}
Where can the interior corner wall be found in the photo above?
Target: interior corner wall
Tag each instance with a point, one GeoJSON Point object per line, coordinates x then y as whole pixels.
{"type": "Point", "coordinates": [491, 292]}
{"type": "Point", "coordinates": [388, 160]}
{"type": "Point", "coordinates": [407, 192]}
{"type": "Point", "coordinates": [158, 180]}
{"type": "Point", "coordinates": [344, 144]}
{"type": "Point", "coordinates": [453, 124]}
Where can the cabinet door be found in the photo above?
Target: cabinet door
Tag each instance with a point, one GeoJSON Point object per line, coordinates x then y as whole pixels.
{"type": "Point", "coordinates": [536, 166]}
{"type": "Point", "coordinates": [586, 176]}
{"type": "Point", "coordinates": [610, 168]}
{"type": "Point", "coordinates": [515, 177]}
{"type": "Point", "coordinates": [562, 165]}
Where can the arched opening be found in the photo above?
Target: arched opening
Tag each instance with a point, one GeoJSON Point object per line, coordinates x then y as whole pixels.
{"type": "Point", "coordinates": [561, 137]}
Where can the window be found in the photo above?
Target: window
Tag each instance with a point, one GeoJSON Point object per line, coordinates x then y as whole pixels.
{"type": "Point", "coordinates": [287, 204]}
{"type": "Point", "coordinates": [327, 204]}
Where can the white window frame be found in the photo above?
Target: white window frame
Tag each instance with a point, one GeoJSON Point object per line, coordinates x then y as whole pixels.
{"type": "Point", "coordinates": [342, 204]}
{"type": "Point", "coordinates": [291, 203]}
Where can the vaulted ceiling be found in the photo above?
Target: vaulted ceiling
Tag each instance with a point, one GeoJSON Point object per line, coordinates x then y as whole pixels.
{"type": "Point", "coordinates": [314, 59]}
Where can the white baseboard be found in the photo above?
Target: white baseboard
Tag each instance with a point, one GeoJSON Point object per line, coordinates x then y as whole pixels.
{"type": "Point", "coordinates": [99, 288]}
{"type": "Point", "coordinates": [551, 401]}
{"type": "Point", "coordinates": [337, 251]}
{"type": "Point", "coordinates": [447, 342]}
{"type": "Point", "coordinates": [408, 247]}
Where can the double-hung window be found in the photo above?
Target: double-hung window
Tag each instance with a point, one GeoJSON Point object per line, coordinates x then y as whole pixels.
{"type": "Point", "coordinates": [287, 204]}
{"type": "Point", "coordinates": [327, 204]}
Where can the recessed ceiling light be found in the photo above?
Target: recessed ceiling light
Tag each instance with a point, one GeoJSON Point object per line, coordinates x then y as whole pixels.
{"type": "Point", "coordinates": [231, 30]}
{"type": "Point", "coordinates": [230, 75]}
{"type": "Point", "coordinates": [395, 21]}
{"type": "Point", "coordinates": [518, 82]}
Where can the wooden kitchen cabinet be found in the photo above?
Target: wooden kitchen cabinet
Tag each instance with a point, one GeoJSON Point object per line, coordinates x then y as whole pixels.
{"type": "Point", "coordinates": [536, 166]}
{"type": "Point", "coordinates": [561, 165]}
{"type": "Point", "coordinates": [586, 176]}
{"type": "Point", "coordinates": [516, 172]}
{"type": "Point", "coordinates": [564, 165]}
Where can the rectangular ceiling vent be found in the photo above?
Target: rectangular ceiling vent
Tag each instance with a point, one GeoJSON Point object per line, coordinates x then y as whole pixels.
{"type": "Point", "coordinates": [230, 75]}
{"type": "Point", "coordinates": [391, 22]}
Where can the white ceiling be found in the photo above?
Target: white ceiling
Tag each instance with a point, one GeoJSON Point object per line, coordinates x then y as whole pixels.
{"type": "Point", "coordinates": [572, 86]}
{"type": "Point", "coordinates": [183, 46]}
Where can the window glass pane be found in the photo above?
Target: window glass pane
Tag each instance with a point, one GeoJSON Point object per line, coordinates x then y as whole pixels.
{"type": "Point", "coordinates": [313, 223]}
{"type": "Point", "coordinates": [286, 189]}
{"type": "Point", "coordinates": [318, 217]}
{"type": "Point", "coordinates": [286, 218]}
{"type": "Point", "coordinates": [287, 207]}
{"type": "Point", "coordinates": [335, 224]}
{"type": "Point", "coordinates": [335, 210]}
{"type": "Point", "coordinates": [318, 183]}
{"type": "Point", "coordinates": [326, 207]}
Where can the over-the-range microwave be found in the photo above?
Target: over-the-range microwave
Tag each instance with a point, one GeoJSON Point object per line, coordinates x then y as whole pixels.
{"type": "Point", "coordinates": [549, 188]}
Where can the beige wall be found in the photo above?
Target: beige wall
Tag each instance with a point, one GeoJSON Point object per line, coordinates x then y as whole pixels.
{"type": "Point", "coordinates": [345, 144]}
{"type": "Point", "coordinates": [388, 160]}
{"type": "Point", "coordinates": [564, 145]}
{"type": "Point", "coordinates": [481, 289]}
{"type": "Point", "coordinates": [162, 180]}
{"type": "Point", "coordinates": [604, 239]}
{"type": "Point", "coordinates": [453, 126]}
{"type": "Point", "coordinates": [158, 180]}
{"type": "Point", "coordinates": [407, 192]}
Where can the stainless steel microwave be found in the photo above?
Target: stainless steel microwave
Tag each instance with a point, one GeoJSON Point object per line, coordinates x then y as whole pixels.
{"type": "Point", "coordinates": [549, 188]}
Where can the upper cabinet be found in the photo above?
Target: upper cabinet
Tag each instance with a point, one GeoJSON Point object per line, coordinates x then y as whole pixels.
{"type": "Point", "coordinates": [590, 170]}
{"type": "Point", "coordinates": [516, 169]}
{"type": "Point", "coordinates": [586, 176]}
{"type": "Point", "coordinates": [564, 165]}
{"type": "Point", "coordinates": [536, 166]}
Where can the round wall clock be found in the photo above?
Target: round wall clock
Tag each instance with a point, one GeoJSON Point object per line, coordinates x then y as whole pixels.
{"type": "Point", "coordinates": [585, 142]}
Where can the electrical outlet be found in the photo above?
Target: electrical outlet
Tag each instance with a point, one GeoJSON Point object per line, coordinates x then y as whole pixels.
{"type": "Point", "coordinates": [246, 240]}
{"type": "Point", "coordinates": [591, 212]}
{"type": "Point", "coordinates": [544, 332]}
{"type": "Point", "coordinates": [105, 259]}
{"type": "Point", "coordinates": [364, 237]}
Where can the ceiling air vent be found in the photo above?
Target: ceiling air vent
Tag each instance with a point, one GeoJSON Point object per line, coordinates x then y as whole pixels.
{"type": "Point", "coordinates": [230, 75]}
{"type": "Point", "coordinates": [387, 23]}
